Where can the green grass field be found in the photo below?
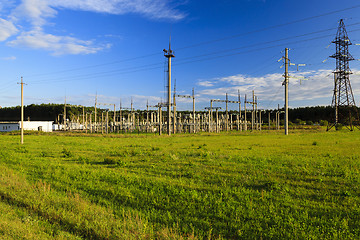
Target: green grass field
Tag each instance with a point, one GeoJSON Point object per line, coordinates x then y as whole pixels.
{"type": "Point", "coordinates": [204, 186]}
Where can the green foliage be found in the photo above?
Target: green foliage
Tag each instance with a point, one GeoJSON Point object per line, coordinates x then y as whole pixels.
{"type": "Point", "coordinates": [324, 123]}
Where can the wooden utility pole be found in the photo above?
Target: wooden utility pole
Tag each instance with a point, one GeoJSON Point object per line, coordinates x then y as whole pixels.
{"type": "Point", "coordinates": [22, 112]}
{"type": "Point", "coordinates": [286, 83]}
{"type": "Point", "coordinates": [169, 54]}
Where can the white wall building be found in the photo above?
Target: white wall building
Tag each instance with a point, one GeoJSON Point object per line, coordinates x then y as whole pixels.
{"type": "Point", "coordinates": [44, 126]}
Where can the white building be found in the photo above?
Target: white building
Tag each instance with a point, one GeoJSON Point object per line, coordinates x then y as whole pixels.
{"type": "Point", "coordinates": [44, 126]}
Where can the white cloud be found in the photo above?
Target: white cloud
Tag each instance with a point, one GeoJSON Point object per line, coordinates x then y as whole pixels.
{"type": "Point", "coordinates": [11, 58]}
{"type": "Point", "coordinates": [58, 45]}
{"type": "Point", "coordinates": [7, 29]}
{"type": "Point", "coordinates": [205, 83]}
{"type": "Point", "coordinates": [268, 88]}
{"type": "Point", "coordinates": [34, 11]}
{"type": "Point", "coordinates": [156, 9]}
{"type": "Point", "coordinates": [39, 12]}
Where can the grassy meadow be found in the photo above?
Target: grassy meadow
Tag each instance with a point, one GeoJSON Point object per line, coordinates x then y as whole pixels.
{"type": "Point", "coordinates": [204, 186]}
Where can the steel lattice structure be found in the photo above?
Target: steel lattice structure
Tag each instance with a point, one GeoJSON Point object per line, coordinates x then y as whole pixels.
{"type": "Point", "coordinates": [343, 99]}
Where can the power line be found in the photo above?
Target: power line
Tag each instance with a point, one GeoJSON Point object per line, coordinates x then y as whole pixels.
{"type": "Point", "coordinates": [184, 61]}
{"type": "Point", "coordinates": [268, 28]}
{"type": "Point", "coordinates": [198, 44]}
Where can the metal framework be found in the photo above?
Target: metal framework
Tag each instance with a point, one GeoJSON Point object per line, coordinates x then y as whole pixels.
{"type": "Point", "coordinates": [343, 99]}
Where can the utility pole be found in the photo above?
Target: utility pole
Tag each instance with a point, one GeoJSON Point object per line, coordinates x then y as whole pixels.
{"type": "Point", "coordinates": [22, 112]}
{"type": "Point", "coordinates": [174, 108]}
{"type": "Point", "coordinates": [169, 54]}
{"type": "Point", "coordinates": [286, 83]}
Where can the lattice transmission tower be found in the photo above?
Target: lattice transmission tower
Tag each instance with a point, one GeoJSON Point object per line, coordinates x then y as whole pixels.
{"type": "Point", "coordinates": [343, 101]}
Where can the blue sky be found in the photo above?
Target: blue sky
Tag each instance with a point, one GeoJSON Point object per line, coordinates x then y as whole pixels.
{"type": "Point", "coordinates": [114, 48]}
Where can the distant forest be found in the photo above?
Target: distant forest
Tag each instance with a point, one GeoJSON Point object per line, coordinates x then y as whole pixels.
{"type": "Point", "coordinates": [53, 112]}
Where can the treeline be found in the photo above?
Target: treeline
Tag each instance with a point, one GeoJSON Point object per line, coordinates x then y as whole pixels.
{"type": "Point", "coordinates": [53, 112]}
{"type": "Point", "coordinates": [42, 112]}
